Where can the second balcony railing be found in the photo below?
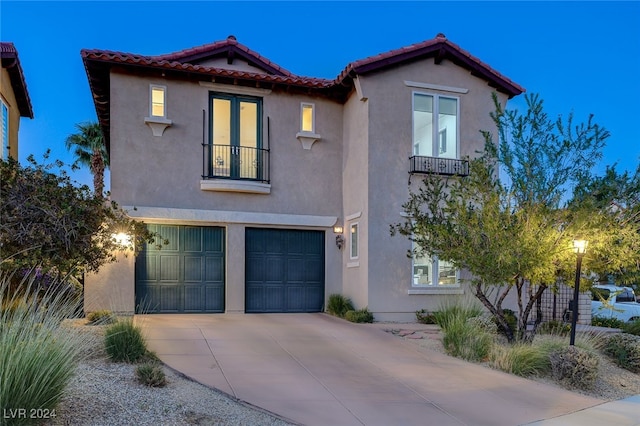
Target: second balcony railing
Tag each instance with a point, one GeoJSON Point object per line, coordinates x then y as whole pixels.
{"type": "Point", "coordinates": [235, 162]}
{"type": "Point", "coordinates": [438, 166]}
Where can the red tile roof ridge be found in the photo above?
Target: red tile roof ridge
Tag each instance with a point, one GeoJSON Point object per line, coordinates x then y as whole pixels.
{"type": "Point", "coordinates": [229, 41]}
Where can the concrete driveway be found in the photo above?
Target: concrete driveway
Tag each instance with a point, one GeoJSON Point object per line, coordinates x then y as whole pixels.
{"type": "Point", "coordinates": [315, 369]}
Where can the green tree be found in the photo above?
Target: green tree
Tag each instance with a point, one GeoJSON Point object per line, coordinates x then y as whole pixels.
{"type": "Point", "coordinates": [507, 222]}
{"type": "Point", "coordinates": [90, 151]}
{"type": "Point", "coordinates": [48, 222]}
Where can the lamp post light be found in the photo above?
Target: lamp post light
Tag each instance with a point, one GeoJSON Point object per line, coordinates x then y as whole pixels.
{"type": "Point", "coordinates": [580, 248]}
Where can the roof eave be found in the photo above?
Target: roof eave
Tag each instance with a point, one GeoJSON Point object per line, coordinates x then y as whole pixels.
{"type": "Point", "coordinates": [11, 63]}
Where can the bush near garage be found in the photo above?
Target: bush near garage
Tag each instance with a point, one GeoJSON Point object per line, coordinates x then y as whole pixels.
{"type": "Point", "coordinates": [624, 349]}
{"type": "Point", "coordinates": [361, 316]}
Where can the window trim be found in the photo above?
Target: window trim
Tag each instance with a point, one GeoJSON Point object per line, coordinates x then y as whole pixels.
{"type": "Point", "coordinates": [164, 101]}
{"type": "Point", "coordinates": [355, 225]}
{"type": "Point", "coordinates": [313, 117]}
{"type": "Point", "coordinates": [435, 137]}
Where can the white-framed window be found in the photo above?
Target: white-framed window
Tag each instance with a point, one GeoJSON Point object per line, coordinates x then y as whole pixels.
{"type": "Point", "coordinates": [4, 113]}
{"type": "Point", "coordinates": [307, 117]}
{"type": "Point", "coordinates": [429, 272]}
{"type": "Point", "coordinates": [157, 101]}
{"type": "Point", "coordinates": [435, 125]}
{"type": "Point", "coordinates": [353, 241]}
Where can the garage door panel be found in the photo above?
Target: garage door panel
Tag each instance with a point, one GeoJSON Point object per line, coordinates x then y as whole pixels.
{"type": "Point", "coordinates": [314, 296]}
{"type": "Point", "coordinates": [213, 240]}
{"type": "Point", "coordinates": [183, 276]}
{"type": "Point", "coordinates": [214, 269]}
{"type": "Point", "coordinates": [213, 294]}
{"type": "Point", "coordinates": [192, 239]}
{"type": "Point", "coordinates": [148, 266]}
{"type": "Point", "coordinates": [170, 298]}
{"type": "Point", "coordinates": [193, 298]}
{"type": "Point", "coordinates": [273, 297]}
{"type": "Point", "coordinates": [313, 269]}
{"type": "Point", "coordinates": [172, 234]}
{"type": "Point", "coordinates": [169, 268]}
{"type": "Point", "coordinates": [295, 297]}
{"type": "Point", "coordinates": [295, 270]}
{"type": "Point", "coordinates": [273, 268]}
{"type": "Point", "coordinates": [193, 269]}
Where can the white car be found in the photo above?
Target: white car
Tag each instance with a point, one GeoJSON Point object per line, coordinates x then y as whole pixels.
{"type": "Point", "coordinates": [620, 302]}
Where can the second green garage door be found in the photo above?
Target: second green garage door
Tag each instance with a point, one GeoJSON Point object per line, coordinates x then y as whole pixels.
{"type": "Point", "coordinates": [187, 275]}
{"type": "Point", "coordinates": [284, 270]}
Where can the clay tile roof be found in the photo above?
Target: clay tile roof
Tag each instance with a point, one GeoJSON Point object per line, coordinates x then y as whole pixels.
{"type": "Point", "coordinates": [230, 46]}
{"type": "Point", "coordinates": [11, 62]}
{"type": "Point", "coordinates": [439, 48]}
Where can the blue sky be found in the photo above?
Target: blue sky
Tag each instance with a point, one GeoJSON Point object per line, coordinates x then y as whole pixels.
{"type": "Point", "coordinates": [580, 56]}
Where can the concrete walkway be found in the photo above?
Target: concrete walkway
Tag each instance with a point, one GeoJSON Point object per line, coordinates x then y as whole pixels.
{"type": "Point", "coordinates": [315, 369]}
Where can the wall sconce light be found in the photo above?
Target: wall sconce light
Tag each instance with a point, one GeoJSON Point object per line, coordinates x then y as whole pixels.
{"type": "Point", "coordinates": [123, 240]}
{"type": "Point", "coordinates": [339, 238]}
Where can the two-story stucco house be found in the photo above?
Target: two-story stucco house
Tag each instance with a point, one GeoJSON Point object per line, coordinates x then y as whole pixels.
{"type": "Point", "coordinates": [14, 100]}
{"type": "Point", "coordinates": [277, 190]}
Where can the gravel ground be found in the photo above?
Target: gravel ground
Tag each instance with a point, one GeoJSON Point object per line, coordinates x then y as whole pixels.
{"type": "Point", "coordinates": [104, 393]}
{"type": "Point", "coordinates": [613, 382]}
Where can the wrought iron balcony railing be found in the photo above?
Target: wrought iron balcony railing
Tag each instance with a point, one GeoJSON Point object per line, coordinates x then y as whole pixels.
{"type": "Point", "coordinates": [438, 166]}
{"type": "Point", "coordinates": [235, 162]}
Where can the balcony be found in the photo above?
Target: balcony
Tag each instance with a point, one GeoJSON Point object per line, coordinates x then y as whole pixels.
{"type": "Point", "coordinates": [235, 169]}
{"type": "Point", "coordinates": [438, 166]}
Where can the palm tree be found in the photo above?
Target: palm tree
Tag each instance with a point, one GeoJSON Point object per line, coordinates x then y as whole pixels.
{"type": "Point", "coordinates": [91, 151]}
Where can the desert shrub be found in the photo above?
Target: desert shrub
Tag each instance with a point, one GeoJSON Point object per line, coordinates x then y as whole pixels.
{"type": "Point", "coordinates": [632, 327]}
{"type": "Point", "coordinates": [624, 349]}
{"type": "Point", "coordinates": [554, 327]}
{"type": "Point", "coordinates": [124, 341]}
{"type": "Point", "coordinates": [361, 315]}
{"type": "Point", "coordinates": [151, 374]}
{"type": "Point", "coordinates": [338, 305]}
{"type": "Point", "coordinates": [599, 321]}
{"type": "Point", "coordinates": [38, 354]}
{"type": "Point", "coordinates": [453, 312]}
{"type": "Point", "coordinates": [511, 318]}
{"type": "Point", "coordinates": [465, 339]}
{"type": "Point", "coordinates": [101, 317]}
{"type": "Point", "coordinates": [522, 359]}
{"type": "Point", "coordinates": [574, 366]}
{"type": "Point", "coordinates": [425, 317]}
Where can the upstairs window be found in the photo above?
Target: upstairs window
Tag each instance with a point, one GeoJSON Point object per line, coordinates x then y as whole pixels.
{"type": "Point", "coordinates": [435, 126]}
{"type": "Point", "coordinates": [235, 150]}
{"type": "Point", "coordinates": [158, 101]}
{"type": "Point", "coordinates": [307, 118]}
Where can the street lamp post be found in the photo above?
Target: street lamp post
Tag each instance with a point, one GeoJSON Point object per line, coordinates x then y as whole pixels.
{"type": "Point", "coordinates": [580, 248]}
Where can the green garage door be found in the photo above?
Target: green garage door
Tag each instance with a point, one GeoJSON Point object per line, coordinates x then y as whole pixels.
{"type": "Point", "coordinates": [185, 276]}
{"type": "Point", "coordinates": [284, 270]}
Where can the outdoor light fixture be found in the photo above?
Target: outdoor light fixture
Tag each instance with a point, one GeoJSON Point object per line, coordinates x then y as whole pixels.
{"type": "Point", "coordinates": [580, 248]}
{"type": "Point", "coordinates": [339, 238]}
{"type": "Point", "coordinates": [123, 240]}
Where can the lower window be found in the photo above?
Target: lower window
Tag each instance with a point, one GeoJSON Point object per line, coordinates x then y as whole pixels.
{"type": "Point", "coordinates": [429, 271]}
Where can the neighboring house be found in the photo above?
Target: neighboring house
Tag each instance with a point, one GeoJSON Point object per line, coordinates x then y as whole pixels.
{"type": "Point", "coordinates": [14, 100]}
{"type": "Point", "coordinates": [277, 190]}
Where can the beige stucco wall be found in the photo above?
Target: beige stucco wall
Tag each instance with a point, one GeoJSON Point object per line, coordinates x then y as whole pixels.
{"type": "Point", "coordinates": [112, 287]}
{"type": "Point", "coordinates": [390, 146]}
{"type": "Point", "coordinates": [9, 98]}
{"type": "Point", "coordinates": [355, 165]}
